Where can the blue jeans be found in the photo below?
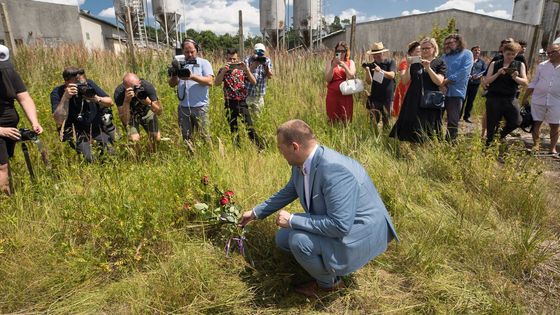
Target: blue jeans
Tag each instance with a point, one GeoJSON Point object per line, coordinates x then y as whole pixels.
{"type": "Point", "coordinates": [306, 248]}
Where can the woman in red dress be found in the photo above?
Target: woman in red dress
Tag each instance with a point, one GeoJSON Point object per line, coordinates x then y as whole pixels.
{"type": "Point", "coordinates": [400, 91]}
{"type": "Point", "coordinates": [338, 70]}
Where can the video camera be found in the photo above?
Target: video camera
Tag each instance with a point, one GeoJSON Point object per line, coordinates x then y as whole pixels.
{"type": "Point", "coordinates": [27, 135]}
{"type": "Point", "coordinates": [179, 67]}
{"type": "Point", "coordinates": [140, 93]}
{"type": "Point", "coordinates": [85, 90]}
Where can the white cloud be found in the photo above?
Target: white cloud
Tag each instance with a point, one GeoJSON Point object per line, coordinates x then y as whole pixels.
{"type": "Point", "coordinates": [415, 11]}
{"type": "Point", "coordinates": [348, 13]}
{"type": "Point", "coordinates": [107, 13]}
{"type": "Point", "coordinates": [68, 2]}
{"type": "Point", "coordinates": [465, 5]}
{"type": "Point", "coordinates": [220, 16]}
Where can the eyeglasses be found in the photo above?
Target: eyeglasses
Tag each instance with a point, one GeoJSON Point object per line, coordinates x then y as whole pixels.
{"type": "Point", "coordinates": [426, 48]}
{"type": "Point", "coordinates": [340, 51]}
{"type": "Point", "coordinates": [449, 42]}
{"type": "Point", "coordinates": [552, 52]}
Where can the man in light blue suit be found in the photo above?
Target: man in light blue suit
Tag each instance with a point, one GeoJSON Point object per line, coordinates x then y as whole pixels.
{"type": "Point", "coordinates": [345, 223]}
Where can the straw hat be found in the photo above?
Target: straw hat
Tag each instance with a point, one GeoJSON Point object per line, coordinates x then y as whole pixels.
{"type": "Point", "coordinates": [377, 48]}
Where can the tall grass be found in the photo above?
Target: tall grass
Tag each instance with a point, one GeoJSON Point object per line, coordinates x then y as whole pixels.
{"type": "Point", "coordinates": [113, 237]}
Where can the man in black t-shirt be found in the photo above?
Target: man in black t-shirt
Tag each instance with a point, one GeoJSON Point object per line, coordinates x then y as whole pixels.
{"type": "Point", "coordinates": [381, 75]}
{"type": "Point", "coordinates": [82, 112]}
{"type": "Point", "coordinates": [138, 104]}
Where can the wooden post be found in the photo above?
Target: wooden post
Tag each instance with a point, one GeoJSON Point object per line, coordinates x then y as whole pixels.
{"type": "Point", "coordinates": [353, 38]}
{"type": "Point", "coordinates": [8, 30]}
{"type": "Point", "coordinates": [534, 50]}
{"type": "Point", "coordinates": [241, 41]}
{"type": "Point", "coordinates": [130, 39]}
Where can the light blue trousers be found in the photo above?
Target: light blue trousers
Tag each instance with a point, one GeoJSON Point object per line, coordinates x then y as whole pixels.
{"type": "Point", "coordinates": [306, 248]}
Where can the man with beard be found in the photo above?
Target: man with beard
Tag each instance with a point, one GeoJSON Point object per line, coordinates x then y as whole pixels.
{"type": "Point", "coordinates": [459, 62]}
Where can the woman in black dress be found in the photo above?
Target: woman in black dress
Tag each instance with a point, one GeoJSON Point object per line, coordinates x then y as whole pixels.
{"type": "Point", "coordinates": [12, 88]}
{"type": "Point", "coordinates": [417, 124]}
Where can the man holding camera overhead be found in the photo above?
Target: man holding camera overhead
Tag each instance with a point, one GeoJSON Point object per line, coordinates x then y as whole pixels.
{"type": "Point", "coordinates": [193, 77]}
{"type": "Point", "coordinates": [261, 67]}
{"type": "Point", "coordinates": [81, 110]}
{"type": "Point", "coordinates": [138, 105]}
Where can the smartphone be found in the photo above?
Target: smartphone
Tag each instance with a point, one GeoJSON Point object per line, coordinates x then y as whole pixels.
{"type": "Point", "coordinates": [415, 59]}
{"type": "Point", "coordinates": [510, 71]}
{"type": "Point", "coordinates": [338, 55]}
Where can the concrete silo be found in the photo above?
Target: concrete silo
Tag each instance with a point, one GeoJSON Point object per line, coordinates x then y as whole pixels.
{"type": "Point", "coordinates": [137, 16]}
{"type": "Point", "coordinates": [272, 16]}
{"type": "Point", "coordinates": [307, 15]}
{"type": "Point", "coordinates": [167, 14]}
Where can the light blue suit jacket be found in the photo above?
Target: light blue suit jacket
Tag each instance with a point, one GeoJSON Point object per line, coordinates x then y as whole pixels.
{"type": "Point", "coordinates": [345, 208]}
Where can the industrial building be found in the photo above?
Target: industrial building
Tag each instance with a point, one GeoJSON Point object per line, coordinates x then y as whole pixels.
{"type": "Point", "coordinates": [395, 33]}
{"type": "Point", "coordinates": [34, 22]}
{"type": "Point", "coordinates": [544, 13]}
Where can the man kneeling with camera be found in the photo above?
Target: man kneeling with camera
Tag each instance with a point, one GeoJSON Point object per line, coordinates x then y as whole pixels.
{"type": "Point", "coordinates": [138, 105]}
{"type": "Point", "coordinates": [82, 112]}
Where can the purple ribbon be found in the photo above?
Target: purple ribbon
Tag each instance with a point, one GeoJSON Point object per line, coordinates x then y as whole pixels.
{"type": "Point", "coordinates": [240, 245]}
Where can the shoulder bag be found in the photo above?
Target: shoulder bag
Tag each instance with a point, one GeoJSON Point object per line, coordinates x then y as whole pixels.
{"type": "Point", "coordinates": [351, 86]}
{"type": "Point", "coordinates": [431, 99]}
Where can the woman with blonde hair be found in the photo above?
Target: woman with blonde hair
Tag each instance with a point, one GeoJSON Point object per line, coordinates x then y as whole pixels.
{"type": "Point", "coordinates": [425, 73]}
{"type": "Point", "coordinates": [339, 69]}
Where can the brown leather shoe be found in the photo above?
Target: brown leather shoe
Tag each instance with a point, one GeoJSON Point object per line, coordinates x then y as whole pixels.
{"type": "Point", "coordinates": [311, 289]}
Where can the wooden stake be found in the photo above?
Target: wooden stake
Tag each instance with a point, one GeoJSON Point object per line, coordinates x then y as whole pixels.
{"type": "Point", "coordinates": [8, 30]}
{"type": "Point", "coordinates": [130, 39]}
{"type": "Point", "coordinates": [241, 41]}
{"type": "Point", "coordinates": [353, 38]}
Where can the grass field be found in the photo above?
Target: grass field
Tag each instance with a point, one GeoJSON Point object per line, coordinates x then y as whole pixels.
{"type": "Point", "coordinates": [477, 236]}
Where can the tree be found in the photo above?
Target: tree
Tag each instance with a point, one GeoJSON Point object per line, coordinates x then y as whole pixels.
{"type": "Point", "coordinates": [335, 25]}
{"type": "Point", "coordinates": [439, 33]}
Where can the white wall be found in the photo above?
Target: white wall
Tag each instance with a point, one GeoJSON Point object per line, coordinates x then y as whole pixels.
{"type": "Point", "coordinates": [92, 34]}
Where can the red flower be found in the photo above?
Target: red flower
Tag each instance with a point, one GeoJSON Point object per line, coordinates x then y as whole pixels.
{"type": "Point", "coordinates": [204, 180]}
{"type": "Point", "coordinates": [186, 206]}
{"type": "Point", "coordinates": [228, 193]}
{"type": "Point", "coordinates": [224, 201]}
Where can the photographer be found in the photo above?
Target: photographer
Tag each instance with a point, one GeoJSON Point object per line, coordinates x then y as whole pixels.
{"type": "Point", "coordinates": [12, 88]}
{"type": "Point", "coordinates": [261, 67]}
{"type": "Point", "coordinates": [81, 111]}
{"type": "Point", "coordinates": [381, 75]}
{"type": "Point", "coordinates": [138, 104]}
{"type": "Point", "coordinates": [193, 77]}
{"type": "Point", "coordinates": [236, 76]}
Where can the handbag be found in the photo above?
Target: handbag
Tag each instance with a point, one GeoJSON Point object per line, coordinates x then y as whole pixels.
{"type": "Point", "coordinates": [431, 99]}
{"type": "Point", "coordinates": [351, 86]}
{"type": "Point", "coordinates": [526, 118]}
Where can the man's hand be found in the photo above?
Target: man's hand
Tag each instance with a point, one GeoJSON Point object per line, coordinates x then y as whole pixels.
{"type": "Point", "coordinates": [283, 219]}
{"type": "Point", "coordinates": [9, 132]}
{"type": "Point", "coordinates": [70, 90]}
{"type": "Point", "coordinates": [128, 95]}
{"type": "Point", "coordinates": [247, 217]}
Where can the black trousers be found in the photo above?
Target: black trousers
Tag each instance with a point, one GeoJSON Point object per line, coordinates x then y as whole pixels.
{"type": "Point", "coordinates": [379, 111]}
{"type": "Point", "coordinates": [498, 108]}
{"type": "Point", "coordinates": [472, 90]}
{"type": "Point", "coordinates": [236, 109]}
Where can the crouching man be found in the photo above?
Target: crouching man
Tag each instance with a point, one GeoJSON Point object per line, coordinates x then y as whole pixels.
{"type": "Point", "coordinates": [345, 223]}
{"type": "Point", "coordinates": [138, 105]}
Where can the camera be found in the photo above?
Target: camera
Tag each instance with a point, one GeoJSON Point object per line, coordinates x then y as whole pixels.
{"type": "Point", "coordinates": [26, 134]}
{"type": "Point", "coordinates": [178, 67]}
{"type": "Point", "coordinates": [140, 93]}
{"type": "Point", "coordinates": [85, 90]}
{"type": "Point", "coordinates": [370, 65]}
{"type": "Point", "coordinates": [238, 65]}
{"type": "Point", "coordinates": [260, 59]}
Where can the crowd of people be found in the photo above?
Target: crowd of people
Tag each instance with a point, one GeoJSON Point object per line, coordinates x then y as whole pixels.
{"type": "Point", "coordinates": [345, 223]}
{"type": "Point", "coordinates": [431, 86]}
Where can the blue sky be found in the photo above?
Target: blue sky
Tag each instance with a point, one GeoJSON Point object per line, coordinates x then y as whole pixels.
{"type": "Point", "coordinates": [220, 16]}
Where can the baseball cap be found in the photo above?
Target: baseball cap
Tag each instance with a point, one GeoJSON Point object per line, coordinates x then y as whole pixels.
{"type": "Point", "coordinates": [4, 53]}
{"type": "Point", "coordinates": [260, 46]}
